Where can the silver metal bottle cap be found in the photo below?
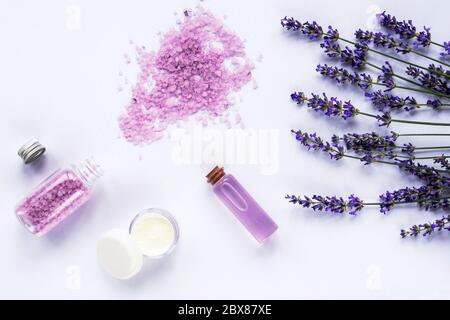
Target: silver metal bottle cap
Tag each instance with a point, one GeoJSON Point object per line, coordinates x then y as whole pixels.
{"type": "Point", "coordinates": [31, 151]}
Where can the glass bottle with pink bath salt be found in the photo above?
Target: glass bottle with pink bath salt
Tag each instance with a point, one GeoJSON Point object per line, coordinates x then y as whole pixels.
{"type": "Point", "coordinates": [57, 197]}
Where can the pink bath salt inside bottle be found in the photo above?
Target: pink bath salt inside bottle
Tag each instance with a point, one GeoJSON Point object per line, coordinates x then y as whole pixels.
{"type": "Point", "coordinates": [57, 197]}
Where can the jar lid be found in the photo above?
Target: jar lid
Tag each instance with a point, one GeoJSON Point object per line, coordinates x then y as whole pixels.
{"type": "Point", "coordinates": [119, 255]}
{"type": "Point", "coordinates": [31, 151]}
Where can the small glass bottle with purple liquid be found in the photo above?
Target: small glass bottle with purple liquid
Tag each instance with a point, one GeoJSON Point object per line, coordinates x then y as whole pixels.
{"type": "Point", "coordinates": [242, 204]}
{"type": "Point", "coordinates": [57, 197]}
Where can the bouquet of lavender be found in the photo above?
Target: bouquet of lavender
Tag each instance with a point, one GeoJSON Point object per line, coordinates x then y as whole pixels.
{"type": "Point", "coordinates": [431, 81]}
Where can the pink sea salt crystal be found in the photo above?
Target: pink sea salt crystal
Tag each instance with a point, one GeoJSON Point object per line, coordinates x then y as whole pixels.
{"type": "Point", "coordinates": [188, 75]}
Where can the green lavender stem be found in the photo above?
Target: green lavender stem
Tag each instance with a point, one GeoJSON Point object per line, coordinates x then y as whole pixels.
{"type": "Point", "coordinates": [421, 158]}
{"type": "Point", "coordinates": [404, 61]}
{"type": "Point", "coordinates": [407, 121]}
{"type": "Point", "coordinates": [385, 162]}
{"type": "Point", "coordinates": [428, 90]}
{"type": "Point", "coordinates": [405, 88]}
{"type": "Point", "coordinates": [424, 135]}
{"type": "Point", "coordinates": [431, 148]}
{"type": "Point", "coordinates": [432, 59]}
{"type": "Point", "coordinates": [403, 202]}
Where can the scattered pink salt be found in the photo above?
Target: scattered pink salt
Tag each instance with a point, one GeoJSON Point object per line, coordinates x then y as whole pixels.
{"type": "Point", "coordinates": [188, 75]}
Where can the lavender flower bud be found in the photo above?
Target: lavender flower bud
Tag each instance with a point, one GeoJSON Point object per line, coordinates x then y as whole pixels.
{"type": "Point", "coordinates": [383, 101]}
{"type": "Point", "coordinates": [312, 141]}
{"type": "Point", "coordinates": [387, 76]}
{"type": "Point", "coordinates": [436, 103]}
{"type": "Point", "coordinates": [413, 71]}
{"type": "Point", "coordinates": [405, 29]}
{"type": "Point", "coordinates": [384, 119]}
{"type": "Point", "coordinates": [312, 30]}
{"type": "Point", "coordinates": [363, 36]}
{"type": "Point", "coordinates": [331, 35]}
{"type": "Point", "coordinates": [403, 48]}
{"type": "Point", "coordinates": [446, 51]}
{"type": "Point", "coordinates": [331, 204]}
{"type": "Point", "coordinates": [331, 48]}
{"type": "Point", "coordinates": [443, 162]}
{"type": "Point", "coordinates": [291, 24]}
{"type": "Point", "coordinates": [384, 40]}
{"type": "Point", "coordinates": [423, 38]}
{"type": "Point", "coordinates": [360, 143]}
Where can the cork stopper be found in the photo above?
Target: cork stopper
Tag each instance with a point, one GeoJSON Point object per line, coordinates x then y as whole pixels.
{"type": "Point", "coordinates": [215, 175]}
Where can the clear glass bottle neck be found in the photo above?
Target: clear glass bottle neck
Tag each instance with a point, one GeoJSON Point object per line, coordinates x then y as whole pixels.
{"type": "Point", "coordinates": [88, 171]}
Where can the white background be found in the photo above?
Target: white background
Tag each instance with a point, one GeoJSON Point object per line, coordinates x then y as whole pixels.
{"type": "Point", "coordinates": [59, 82]}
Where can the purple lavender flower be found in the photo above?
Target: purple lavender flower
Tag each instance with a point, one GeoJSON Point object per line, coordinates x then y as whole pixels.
{"type": "Point", "coordinates": [434, 82]}
{"type": "Point", "coordinates": [446, 51]}
{"type": "Point", "coordinates": [403, 48]}
{"type": "Point", "coordinates": [405, 29]}
{"type": "Point", "coordinates": [413, 71]}
{"type": "Point", "coordinates": [427, 196]}
{"type": "Point", "coordinates": [387, 76]}
{"type": "Point", "coordinates": [427, 229]}
{"type": "Point", "coordinates": [372, 141]}
{"type": "Point", "coordinates": [384, 119]}
{"type": "Point", "coordinates": [312, 141]}
{"type": "Point", "coordinates": [329, 106]}
{"type": "Point", "coordinates": [298, 97]}
{"type": "Point", "coordinates": [425, 173]}
{"type": "Point", "coordinates": [291, 24]}
{"type": "Point", "coordinates": [438, 70]}
{"type": "Point", "coordinates": [331, 204]}
{"type": "Point", "coordinates": [369, 157]}
{"type": "Point", "coordinates": [423, 38]}
{"type": "Point", "coordinates": [443, 162]}
{"type": "Point", "coordinates": [356, 58]}
{"type": "Point", "coordinates": [362, 36]}
{"type": "Point", "coordinates": [332, 35]}
{"type": "Point", "coordinates": [340, 75]}
{"type": "Point", "coordinates": [387, 21]}
{"type": "Point", "coordinates": [432, 79]}
{"type": "Point", "coordinates": [343, 76]}
{"type": "Point", "coordinates": [383, 101]}
{"type": "Point", "coordinates": [310, 29]}
{"type": "Point", "coordinates": [435, 103]}
{"type": "Point", "coordinates": [408, 148]}
{"type": "Point", "coordinates": [331, 48]}
{"type": "Point", "coordinates": [384, 40]}
{"type": "Point", "coordinates": [379, 39]}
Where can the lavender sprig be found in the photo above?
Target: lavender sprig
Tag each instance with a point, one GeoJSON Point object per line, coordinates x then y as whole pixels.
{"type": "Point", "coordinates": [346, 110]}
{"type": "Point", "coordinates": [336, 151]}
{"type": "Point", "coordinates": [443, 162]}
{"type": "Point", "coordinates": [352, 206]}
{"type": "Point", "coordinates": [446, 52]}
{"type": "Point", "coordinates": [429, 79]}
{"type": "Point", "coordinates": [331, 204]}
{"type": "Point", "coordinates": [426, 229]}
{"type": "Point", "coordinates": [427, 197]}
{"type": "Point", "coordinates": [383, 101]}
{"type": "Point", "coordinates": [406, 30]}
